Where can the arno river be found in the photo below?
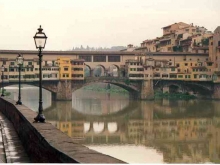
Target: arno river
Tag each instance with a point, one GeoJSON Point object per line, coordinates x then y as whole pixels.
{"type": "Point", "coordinates": [160, 131]}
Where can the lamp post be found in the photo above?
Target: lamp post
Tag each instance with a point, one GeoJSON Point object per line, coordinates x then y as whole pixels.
{"type": "Point", "coordinates": [19, 61]}
{"type": "Point", "coordinates": [2, 69]}
{"type": "Point", "coordinates": [40, 42]}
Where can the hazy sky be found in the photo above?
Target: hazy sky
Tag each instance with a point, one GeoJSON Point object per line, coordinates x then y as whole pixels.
{"type": "Point", "coordinates": [105, 23]}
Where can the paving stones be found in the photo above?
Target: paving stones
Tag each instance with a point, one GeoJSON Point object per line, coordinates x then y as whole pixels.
{"type": "Point", "coordinates": [11, 149]}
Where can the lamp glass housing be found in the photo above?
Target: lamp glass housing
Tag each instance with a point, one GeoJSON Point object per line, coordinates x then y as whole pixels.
{"type": "Point", "coordinates": [20, 60]}
{"type": "Point", "coordinates": [40, 39]}
{"type": "Point", "coordinates": [2, 68]}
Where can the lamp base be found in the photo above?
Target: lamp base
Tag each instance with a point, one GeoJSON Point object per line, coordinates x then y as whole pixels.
{"type": "Point", "coordinates": [40, 118]}
{"type": "Point", "coordinates": [18, 102]}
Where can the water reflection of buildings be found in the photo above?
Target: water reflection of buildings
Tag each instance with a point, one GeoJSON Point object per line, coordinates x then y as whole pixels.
{"type": "Point", "coordinates": [189, 140]}
{"type": "Point", "coordinates": [183, 136]}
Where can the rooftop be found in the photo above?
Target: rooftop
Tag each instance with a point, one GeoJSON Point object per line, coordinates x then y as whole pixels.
{"type": "Point", "coordinates": [176, 54]}
{"type": "Point", "coordinates": [173, 24]}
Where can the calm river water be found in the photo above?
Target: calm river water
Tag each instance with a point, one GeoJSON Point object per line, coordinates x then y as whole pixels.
{"type": "Point", "coordinates": [160, 131]}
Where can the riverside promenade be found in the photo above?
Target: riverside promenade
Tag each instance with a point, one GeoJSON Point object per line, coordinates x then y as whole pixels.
{"type": "Point", "coordinates": [11, 149]}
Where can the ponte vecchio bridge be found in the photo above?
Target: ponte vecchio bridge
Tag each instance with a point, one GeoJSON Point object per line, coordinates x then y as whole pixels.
{"type": "Point", "coordinates": [62, 88]}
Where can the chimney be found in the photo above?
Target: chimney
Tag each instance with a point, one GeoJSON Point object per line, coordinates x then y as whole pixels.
{"type": "Point", "coordinates": [130, 46]}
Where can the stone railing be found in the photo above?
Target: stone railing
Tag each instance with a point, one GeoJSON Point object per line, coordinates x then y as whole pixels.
{"type": "Point", "coordinates": [46, 144]}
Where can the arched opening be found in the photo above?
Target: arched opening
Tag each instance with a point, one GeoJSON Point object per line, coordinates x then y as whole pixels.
{"type": "Point", "coordinates": [86, 127]}
{"type": "Point", "coordinates": [87, 71]}
{"type": "Point", "coordinates": [112, 127]}
{"type": "Point", "coordinates": [98, 127]}
{"type": "Point", "coordinates": [113, 71]}
{"type": "Point", "coordinates": [99, 71]}
{"type": "Point", "coordinates": [174, 89]}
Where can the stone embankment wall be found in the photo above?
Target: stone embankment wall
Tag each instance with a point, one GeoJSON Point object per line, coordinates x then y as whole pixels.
{"type": "Point", "coordinates": [46, 144]}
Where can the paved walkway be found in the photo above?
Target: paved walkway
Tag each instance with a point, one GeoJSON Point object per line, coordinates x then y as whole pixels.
{"type": "Point", "coordinates": [11, 149]}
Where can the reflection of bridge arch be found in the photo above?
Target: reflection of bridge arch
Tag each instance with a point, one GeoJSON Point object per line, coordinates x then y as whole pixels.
{"type": "Point", "coordinates": [99, 127]}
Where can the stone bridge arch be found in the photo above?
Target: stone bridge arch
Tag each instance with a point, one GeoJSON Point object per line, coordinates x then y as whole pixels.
{"type": "Point", "coordinates": [49, 86]}
{"type": "Point", "coordinates": [186, 86]}
{"type": "Point", "coordinates": [133, 89]}
{"type": "Point", "coordinates": [111, 74]}
{"type": "Point", "coordinates": [90, 70]}
{"type": "Point", "coordinates": [104, 70]}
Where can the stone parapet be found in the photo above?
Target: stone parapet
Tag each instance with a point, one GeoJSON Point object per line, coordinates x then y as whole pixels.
{"type": "Point", "coordinates": [46, 144]}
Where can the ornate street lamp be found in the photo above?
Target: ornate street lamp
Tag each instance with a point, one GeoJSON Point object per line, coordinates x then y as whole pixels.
{"type": "Point", "coordinates": [19, 61]}
{"type": "Point", "coordinates": [2, 69]}
{"type": "Point", "coordinates": [40, 39]}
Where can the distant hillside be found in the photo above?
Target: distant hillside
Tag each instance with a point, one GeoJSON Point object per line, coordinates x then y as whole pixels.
{"type": "Point", "coordinates": [87, 48]}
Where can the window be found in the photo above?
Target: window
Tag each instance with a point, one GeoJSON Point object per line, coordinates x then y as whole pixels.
{"type": "Point", "coordinates": [11, 69]}
{"type": "Point", "coordinates": [172, 76]}
{"type": "Point", "coordinates": [12, 63]}
{"type": "Point", "coordinates": [180, 76]}
{"type": "Point", "coordinates": [77, 69]}
{"type": "Point", "coordinates": [113, 58]}
{"type": "Point", "coordinates": [29, 63]}
{"type": "Point", "coordinates": [173, 69]}
{"type": "Point", "coordinates": [140, 69]}
{"type": "Point", "coordinates": [99, 58]}
{"type": "Point", "coordinates": [177, 65]}
{"type": "Point", "coordinates": [87, 58]}
{"type": "Point", "coordinates": [186, 64]}
{"type": "Point", "coordinates": [65, 69]}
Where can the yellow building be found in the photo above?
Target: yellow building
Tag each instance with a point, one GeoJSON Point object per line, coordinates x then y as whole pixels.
{"type": "Point", "coordinates": [65, 127]}
{"type": "Point", "coordinates": [64, 68]}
